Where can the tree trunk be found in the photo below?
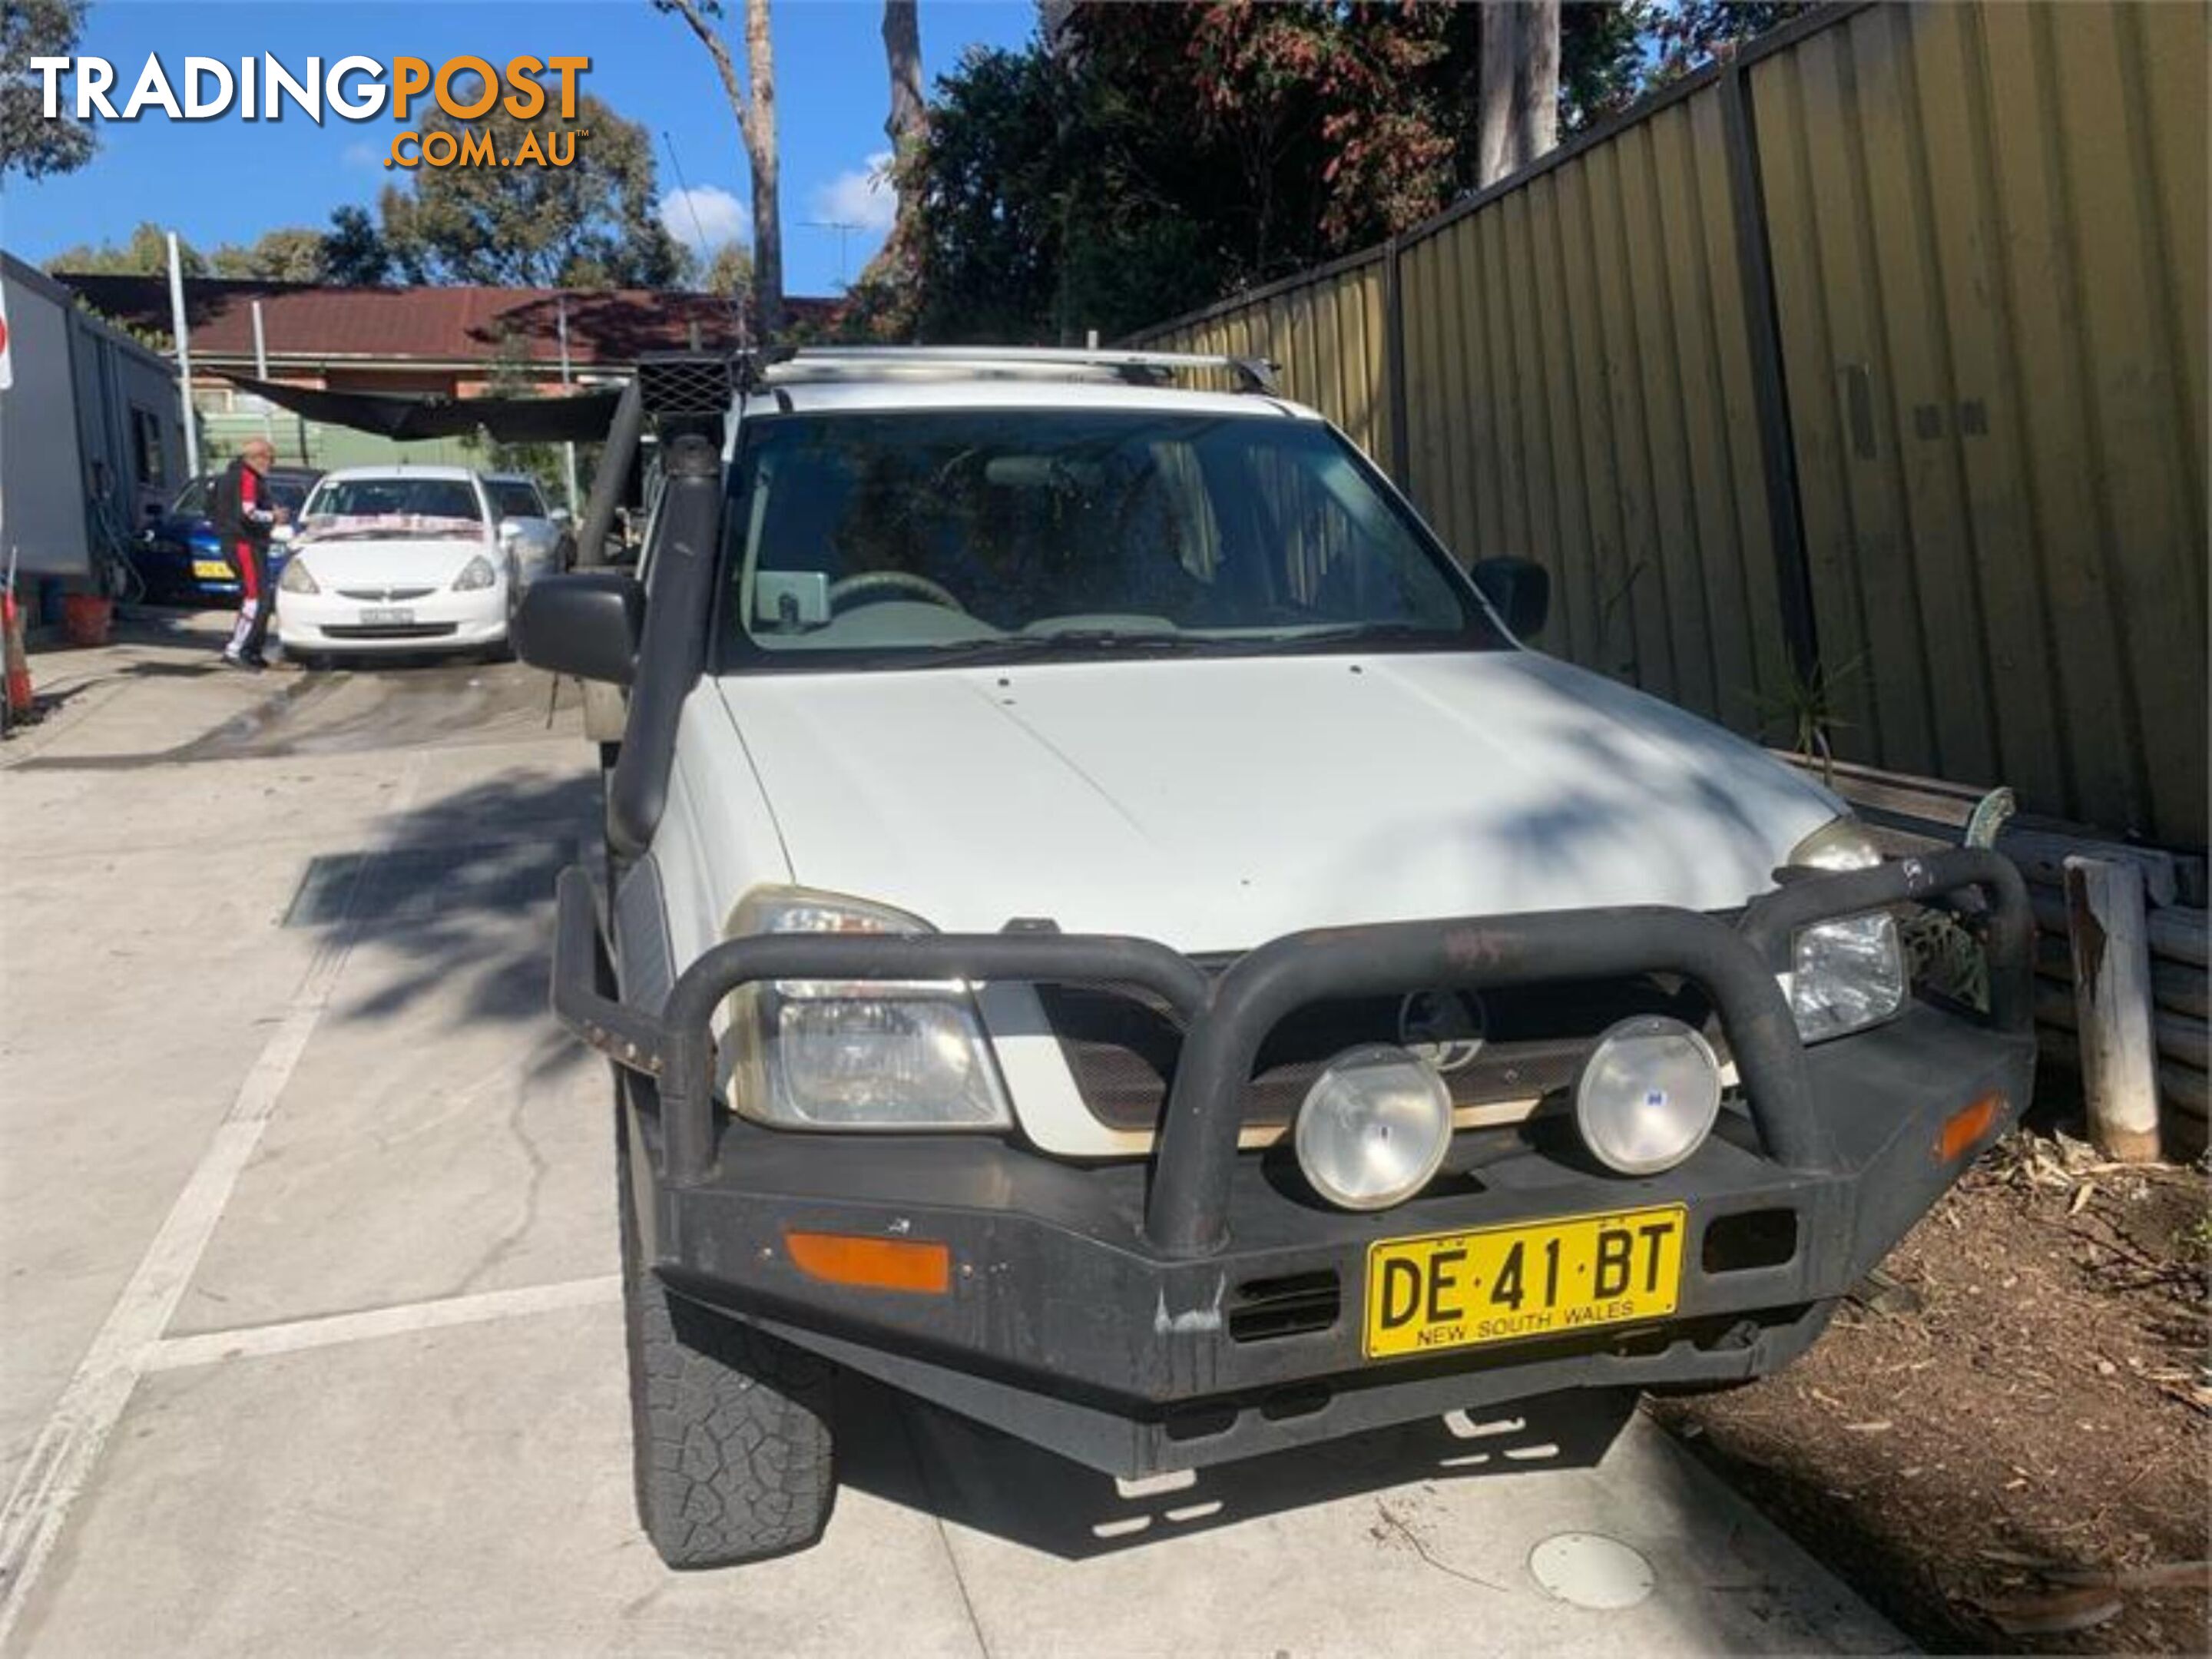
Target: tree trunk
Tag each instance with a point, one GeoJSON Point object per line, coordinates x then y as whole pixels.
{"type": "Point", "coordinates": [1536, 81]}
{"type": "Point", "coordinates": [756, 126]}
{"type": "Point", "coordinates": [902, 51]}
{"type": "Point", "coordinates": [759, 124]}
{"type": "Point", "coordinates": [909, 116]}
{"type": "Point", "coordinates": [1517, 114]}
{"type": "Point", "coordinates": [1493, 130]}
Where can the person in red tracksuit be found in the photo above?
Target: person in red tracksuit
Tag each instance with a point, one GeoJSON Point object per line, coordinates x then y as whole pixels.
{"type": "Point", "coordinates": [244, 513]}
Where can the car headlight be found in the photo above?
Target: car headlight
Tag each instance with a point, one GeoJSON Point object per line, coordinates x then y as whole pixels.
{"type": "Point", "coordinates": [863, 1055]}
{"type": "Point", "coordinates": [1846, 975]}
{"type": "Point", "coordinates": [1839, 844]}
{"type": "Point", "coordinates": [477, 573]}
{"type": "Point", "coordinates": [1849, 974]}
{"type": "Point", "coordinates": [297, 579]}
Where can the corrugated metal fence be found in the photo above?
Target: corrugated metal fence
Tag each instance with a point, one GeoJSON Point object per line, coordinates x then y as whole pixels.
{"type": "Point", "coordinates": [1882, 347]}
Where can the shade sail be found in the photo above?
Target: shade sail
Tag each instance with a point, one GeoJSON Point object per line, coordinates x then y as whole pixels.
{"type": "Point", "coordinates": [581, 416]}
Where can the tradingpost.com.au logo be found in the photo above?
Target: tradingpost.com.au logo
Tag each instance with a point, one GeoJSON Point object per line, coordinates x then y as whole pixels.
{"type": "Point", "coordinates": [466, 88]}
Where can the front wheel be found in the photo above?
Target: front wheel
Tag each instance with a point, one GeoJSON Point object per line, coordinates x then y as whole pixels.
{"type": "Point", "coordinates": [729, 1428]}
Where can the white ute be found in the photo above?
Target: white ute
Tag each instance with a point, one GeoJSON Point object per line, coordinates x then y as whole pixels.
{"type": "Point", "coordinates": [1108, 928]}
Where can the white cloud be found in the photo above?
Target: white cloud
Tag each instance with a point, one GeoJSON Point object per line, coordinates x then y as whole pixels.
{"type": "Point", "coordinates": [365, 154]}
{"type": "Point", "coordinates": [706, 219]}
{"type": "Point", "coordinates": [862, 197]}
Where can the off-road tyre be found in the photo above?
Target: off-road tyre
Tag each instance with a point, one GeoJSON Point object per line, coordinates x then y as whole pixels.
{"type": "Point", "coordinates": [729, 1428]}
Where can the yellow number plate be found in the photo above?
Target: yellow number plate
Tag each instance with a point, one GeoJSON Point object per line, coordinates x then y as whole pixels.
{"type": "Point", "coordinates": [1506, 1283]}
{"type": "Point", "coordinates": [215, 568]}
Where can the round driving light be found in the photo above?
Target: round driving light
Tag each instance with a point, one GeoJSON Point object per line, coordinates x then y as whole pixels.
{"type": "Point", "coordinates": [1648, 1095]}
{"type": "Point", "coordinates": [1373, 1128]}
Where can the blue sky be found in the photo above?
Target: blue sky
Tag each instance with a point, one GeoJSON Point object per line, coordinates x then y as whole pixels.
{"type": "Point", "coordinates": [227, 180]}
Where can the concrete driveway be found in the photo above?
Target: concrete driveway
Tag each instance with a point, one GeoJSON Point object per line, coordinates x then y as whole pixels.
{"type": "Point", "coordinates": [311, 1339]}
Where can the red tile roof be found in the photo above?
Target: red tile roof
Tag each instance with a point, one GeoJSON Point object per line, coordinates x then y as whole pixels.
{"type": "Point", "coordinates": [306, 323]}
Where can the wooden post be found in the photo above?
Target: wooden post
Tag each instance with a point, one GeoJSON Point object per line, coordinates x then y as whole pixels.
{"type": "Point", "coordinates": [1394, 364]}
{"type": "Point", "coordinates": [2111, 1006]}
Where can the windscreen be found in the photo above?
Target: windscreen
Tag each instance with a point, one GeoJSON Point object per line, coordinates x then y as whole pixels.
{"type": "Point", "coordinates": [942, 534]}
{"type": "Point", "coordinates": [392, 507]}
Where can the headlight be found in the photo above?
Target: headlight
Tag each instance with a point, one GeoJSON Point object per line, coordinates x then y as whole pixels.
{"type": "Point", "coordinates": [477, 573]}
{"type": "Point", "coordinates": [296, 578]}
{"type": "Point", "coordinates": [1647, 1096]}
{"type": "Point", "coordinates": [1846, 974]}
{"type": "Point", "coordinates": [1840, 844]}
{"type": "Point", "coordinates": [1373, 1128]}
{"type": "Point", "coordinates": [866, 1054]}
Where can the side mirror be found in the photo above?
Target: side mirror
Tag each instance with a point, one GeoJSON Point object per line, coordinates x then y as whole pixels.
{"type": "Point", "coordinates": [586, 623]}
{"type": "Point", "coordinates": [560, 515]}
{"type": "Point", "coordinates": [151, 511]}
{"type": "Point", "coordinates": [510, 532]}
{"type": "Point", "coordinates": [1519, 590]}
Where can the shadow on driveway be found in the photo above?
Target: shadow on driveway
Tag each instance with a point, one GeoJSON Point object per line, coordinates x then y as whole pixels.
{"type": "Point", "coordinates": [460, 896]}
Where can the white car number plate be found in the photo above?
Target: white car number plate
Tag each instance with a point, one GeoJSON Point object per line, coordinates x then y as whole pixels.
{"type": "Point", "coordinates": [387, 616]}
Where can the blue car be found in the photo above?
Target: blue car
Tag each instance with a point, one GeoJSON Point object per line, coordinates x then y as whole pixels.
{"type": "Point", "coordinates": [180, 559]}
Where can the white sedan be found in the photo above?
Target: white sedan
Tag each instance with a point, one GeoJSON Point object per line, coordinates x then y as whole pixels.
{"type": "Point", "coordinates": [397, 559]}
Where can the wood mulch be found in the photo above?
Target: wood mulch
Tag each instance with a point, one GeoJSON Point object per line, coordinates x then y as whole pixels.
{"type": "Point", "coordinates": [2004, 1445]}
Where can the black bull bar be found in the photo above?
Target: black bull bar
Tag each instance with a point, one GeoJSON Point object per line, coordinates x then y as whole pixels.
{"type": "Point", "coordinates": [1226, 1017]}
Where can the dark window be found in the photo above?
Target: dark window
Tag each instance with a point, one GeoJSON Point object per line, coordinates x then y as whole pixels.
{"type": "Point", "coordinates": [513, 500]}
{"type": "Point", "coordinates": [149, 463]}
{"type": "Point", "coordinates": [291, 494]}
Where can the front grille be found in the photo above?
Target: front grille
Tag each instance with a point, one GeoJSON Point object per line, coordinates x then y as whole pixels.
{"type": "Point", "coordinates": [408, 631]}
{"type": "Point", "coordinates": [383, 595]}
{"type": "Point", "coordinates": [1122, 1045]}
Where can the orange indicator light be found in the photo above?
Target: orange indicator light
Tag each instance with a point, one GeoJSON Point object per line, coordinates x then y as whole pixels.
{"type": "Point", "coordinates": [1963, 1128]}
{"type": "Point", "coordinates": [875, 1264]}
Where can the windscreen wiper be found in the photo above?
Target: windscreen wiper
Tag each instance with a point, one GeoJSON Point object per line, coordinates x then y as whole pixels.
{"type": "Point", "coordinates": [1377, 632]}
{"type": "Point", "coordinates": [1077, 640]}
{"type": "Point", "coordinates": [1117, 639]}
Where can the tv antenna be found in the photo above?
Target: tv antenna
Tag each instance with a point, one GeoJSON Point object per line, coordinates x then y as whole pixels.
{"type": "Point", "coordinates": [844, 228]}
{"type": "Point", "coordinates": [699, 230]}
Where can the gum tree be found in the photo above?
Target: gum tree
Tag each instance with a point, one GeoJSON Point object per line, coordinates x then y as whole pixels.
{"type": "Point", "coordinates": [754, 107]}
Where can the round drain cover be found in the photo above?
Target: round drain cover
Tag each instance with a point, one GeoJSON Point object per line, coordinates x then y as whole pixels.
{"type": "Point", "coordinates": [1588, 1570]}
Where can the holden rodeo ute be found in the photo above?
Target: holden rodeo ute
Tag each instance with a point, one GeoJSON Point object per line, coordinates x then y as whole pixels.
{"type": "Point", "coordinates": [1106, 926]}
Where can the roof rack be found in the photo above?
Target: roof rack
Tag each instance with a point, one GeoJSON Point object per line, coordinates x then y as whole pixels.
{"type": "Point", "coordinates": [1255, 374]}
